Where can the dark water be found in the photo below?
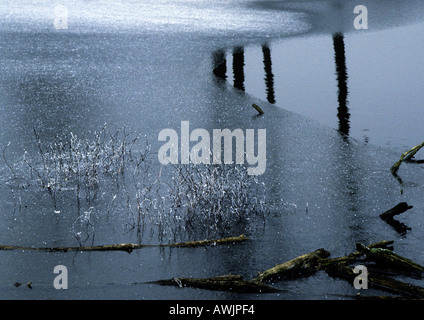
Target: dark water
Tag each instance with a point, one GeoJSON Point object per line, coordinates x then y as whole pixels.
{"type": "Point", "coordinates": [150, 71]}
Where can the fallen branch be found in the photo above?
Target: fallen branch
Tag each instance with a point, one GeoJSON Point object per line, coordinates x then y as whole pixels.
{"type": "Point", "coordinates": [222, 283]}
{"type": "Point", "coordinates": [377, 281]}
{"type": "Point", "coordinates": [302, 265]}
{"type": "Point", "coordinates": [352, 257]}
{"type": "Point", "coordinates": [390, 259]}
{"type": "Point", "coordinates": [309, 263]}
{"type": "Point", "coordinates": [199, 243]}
{"type": "Point", "coordinates": [404, 157]}
{"type": "Point", "coordinates": [129, 247]}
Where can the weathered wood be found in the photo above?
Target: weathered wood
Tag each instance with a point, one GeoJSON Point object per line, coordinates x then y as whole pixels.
{"type": "Point", "coordinates": [352, 257]}
{"type": "Point", "coordinates": [229, 282]}
{"type": "Point", "coordinates": [377, 281]}
{"type": "Point", "coordinates": [405, 156]}
{"type": "Point", "coordinates": [302, 265]}
{"type": "Point", "coordinates": [199, 243]}
{"type": "Point", "coordinates": [309, 263]}
{"type": "Point", "coordinates": [390, 259]}
{"type": "Point", "coordinates": [129, 247]}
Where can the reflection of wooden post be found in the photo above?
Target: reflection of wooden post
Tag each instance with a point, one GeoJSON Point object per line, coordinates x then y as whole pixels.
{"type": "Point", "coordinates": [269, 77]}
{"type": "Point", "coordinates": [219, 64]}
{"type": "Point", "coordinates": [340, 58]}
{"type": "Point", "coordinates": [238, 67]}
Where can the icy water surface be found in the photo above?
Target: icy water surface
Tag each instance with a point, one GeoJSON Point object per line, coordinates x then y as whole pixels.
{"type": "Point", "coordinates": [369, 101]}
{"type": "Point", "coordinates": [149, 66]}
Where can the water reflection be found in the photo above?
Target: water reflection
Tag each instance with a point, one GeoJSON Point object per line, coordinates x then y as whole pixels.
{"type": "Point", "coordinates": [219, 64]}
{"type": "Point", "coordinates": [269, 76]}
{"type": "Point", "coordinates": [238, 67]}
{"type": "Point", "coordinates": [340, 58]}
{"type": "Point", "coordinates": [219, 69]}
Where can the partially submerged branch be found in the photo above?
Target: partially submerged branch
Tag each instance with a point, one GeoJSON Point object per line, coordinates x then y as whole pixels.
{"type": "Point", "coordinates": [129, 247]}
{"type": "Point", "coordinates": [405, 157]}
{"type": "Point", "coordinates": [230, 240]}
{"type": "Point", "coordinates": [352, 257]}
{"type": "Point", "coordinates": [396, 210]}
{"type": "Point", "coordinates": [311, 262]}
{"type": "Point", "coordinates": [230, 282]}
{"type": "Point", "coordinates": [260, 111]}
{"type": "Point", "coordinates": [388, 215]}
{"type": "Point", "coordinates": [302, 265]}
{"type": "Point", "coordinates": [377, 281]}
{"type": "Point", "coordinates": [390, 259]}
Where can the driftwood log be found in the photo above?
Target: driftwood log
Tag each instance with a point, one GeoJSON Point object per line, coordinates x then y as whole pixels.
{"type": "Point", "coordinates": [389, 259]}
{"type": "Point", "coordinates": [129, 247]}
{"type": "Point", "coordinates": [318, 260]}
{"type": "Point", "coordinates": [300, 266]}
{"type": "Point", "coordinates": [377, 281]}
{"type": "Point", "coordinates": [230, 282]}
{"type": "Point", "coordinates": [303, 265]}
{"type": "Point", "coordinates": [379, 253]}
{"type": "Point", "coordinates": [385, 259]}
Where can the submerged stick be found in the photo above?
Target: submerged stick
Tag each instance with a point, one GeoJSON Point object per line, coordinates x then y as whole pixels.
{"type": "Point", "coordinates": [404, 157]}
{"type": "Point", "coordinates": [260, 111]}
{"type": "Point", "coordinates": [129, 247]}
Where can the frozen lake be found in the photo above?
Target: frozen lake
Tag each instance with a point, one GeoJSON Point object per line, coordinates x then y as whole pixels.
{"type": "Point", "coordinates": [149, 66]}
